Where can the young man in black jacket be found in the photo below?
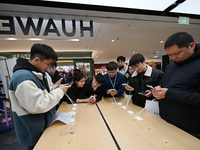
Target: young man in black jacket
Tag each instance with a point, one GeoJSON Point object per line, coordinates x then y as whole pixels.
{"type": "Point", "coordinates": [142, 76]}
{"type": "Point", "coordinates": [94, 88]}
{"type": "Point", "coordinates": [54, 73]}
{"type": "Point", "coordinates": [179, 91]}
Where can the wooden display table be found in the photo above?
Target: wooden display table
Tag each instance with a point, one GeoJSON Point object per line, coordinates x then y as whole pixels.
{"type": "Point", "coordinates": [151, 133]}
{"type": "Point", "coordinates": [105, 126]}
{"type": "Point", "coordinates": [90, 132]}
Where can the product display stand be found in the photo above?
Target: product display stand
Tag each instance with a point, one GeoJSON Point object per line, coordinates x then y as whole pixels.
{"type": "Point", "coordinates": [12, 138]}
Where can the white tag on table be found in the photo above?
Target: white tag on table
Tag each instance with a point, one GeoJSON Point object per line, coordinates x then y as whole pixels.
{"type": "Point", "coordinates": [74, 108]}
{"type": "Point", "coordinates": [123, 107]}
{"type": "Point", "coordinates": [130, 112]}
{"type": "Point", "coordinates": [72, 113]}
{"type": "Point", "coordinates": [138, 118]}
{"type": "Point", "coordinates": [119, 103]}
{"type": "Point", "coordinates": [72, 120]}
{"type": "Point", "coordinates": [75, 105]}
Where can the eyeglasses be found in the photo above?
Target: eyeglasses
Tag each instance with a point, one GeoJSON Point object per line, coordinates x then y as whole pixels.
{"type": "Point", "coordinates": [48, 65]}
{"type": "Point", "coordinates": [136, 66]}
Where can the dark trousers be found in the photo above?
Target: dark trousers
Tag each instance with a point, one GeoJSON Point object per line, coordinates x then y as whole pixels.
{"type": "Point", "coordinates": [30, 147]}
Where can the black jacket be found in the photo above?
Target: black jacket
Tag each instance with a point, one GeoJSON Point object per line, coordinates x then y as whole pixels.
{"type": "Point", "coordinates": [57, 77]}
{"type": "Point", "coordinates": [139, 82]}
{"type": "Point", "coordinates": [74, 93]}
{"type": "Point", "coordinates": [181, 105]}
{"type": "Point", "coordinates": [88, 90]}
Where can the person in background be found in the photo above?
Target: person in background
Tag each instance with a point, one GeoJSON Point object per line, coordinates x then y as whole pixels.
{"type": "Point", "coordinates": [113, 80]}
{"type": "Point", "coordinates": [129, 72]}
{"type": "Point", "coordinates": [75, 94]}
{"type": "Point", "coordinates": [94, 87]}
{"type": "Point", "coordinates": [142, 76]}
{"type": "Point", "coordinates": [128, 75]}
{"type": "Point", "coordinates": [122, 67]}
{"type": "Point", "coordinates": [179, 91]}
{"type": "Point", "coordinates": [55, 76]}
{"type": "Point", "coordinates": [33, 104]}
{"type": "Point", "coordinates": [56, 79]}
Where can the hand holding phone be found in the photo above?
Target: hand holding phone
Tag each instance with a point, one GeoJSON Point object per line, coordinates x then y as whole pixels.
{"type": "Point", "coordinates": [126, 85]}
{"type": "Point", "coordinates": [69, 83]}
{"type": "Point", "coordinates": [92, 97]}
{"type": "Point", "coordinates": [112, 90]}
{"type": "Point", "coordinates": [59, 81]}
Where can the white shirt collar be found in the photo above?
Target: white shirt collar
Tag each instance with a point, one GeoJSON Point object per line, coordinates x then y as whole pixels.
{"type": "Point", "coordinates": [147, 72]}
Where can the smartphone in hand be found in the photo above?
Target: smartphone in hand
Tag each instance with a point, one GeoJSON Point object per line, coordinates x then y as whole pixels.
{"type": "Point", "coordinates": [126, 85]}
{"type": "Point", "coordinates": [69, 83]}
{"type": "Point", "coordinates": [112, 90]}
{"type": "Point", "coordinates": [142, 93]}
{"type": "Point", "coordinates": [60, 80]}
{"type": "Point", "coordinates": [151, 87]}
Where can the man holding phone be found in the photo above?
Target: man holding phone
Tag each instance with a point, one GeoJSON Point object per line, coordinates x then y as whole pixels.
{"type": "Point", "coordinates": [113, 81]}
{"type": "Point", "coordinates": [142, 76]}
{"type": "Point", "coordinates": [179, 92]}
{"type": "Point", "coordinates": [55, 74]}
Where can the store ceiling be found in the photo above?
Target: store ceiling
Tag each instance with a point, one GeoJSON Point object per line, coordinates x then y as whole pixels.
{"type": "Point", "coordinates": [132, 33]}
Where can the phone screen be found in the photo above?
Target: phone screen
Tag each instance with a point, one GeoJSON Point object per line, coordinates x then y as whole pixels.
{"type": "Point", "coordinates": [142, 93]}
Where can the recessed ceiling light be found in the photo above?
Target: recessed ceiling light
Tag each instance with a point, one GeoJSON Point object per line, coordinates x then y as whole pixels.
{"type": "Point", "coordinates": [157, 52]}
{"type": "Point", "coordinates": [11, 39]}
{"type": "Point", "coordinates": [101, 52]}
{"type": "Point", "coordinates": [161, 41]}
{"type": "Point", "coordinates": [112, 40]}
{"type": "Point", "coordinates": [133, 52]}
{"type": "Point", "coordinates": [34, 39]}
{"type": "Point", "coordinates": [74, 40]}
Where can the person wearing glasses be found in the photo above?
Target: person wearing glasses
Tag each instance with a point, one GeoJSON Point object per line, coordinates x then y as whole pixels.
{"type": "Point", "coordinates": [142, 76]}
{"type": "Point", "coordinates": [33, 103]}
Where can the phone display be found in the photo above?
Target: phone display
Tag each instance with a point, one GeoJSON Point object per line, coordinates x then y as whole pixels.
{"type": "Point", "coordinates": [142, 93]}
{"type": "Point", "coordinates": [124, 84]}
{"type": "Point", "coordinates": [61, 79]}
{"type": "Point", "coordinates": [112, 90]}
{"type": "Point", "coordinates": [69, 83]}
{"type": "Point", "coordinates": [151, 87]}
{"type": "Point", "coordinates": [92, 97]}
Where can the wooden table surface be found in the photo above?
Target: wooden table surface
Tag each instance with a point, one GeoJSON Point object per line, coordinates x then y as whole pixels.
{"type": "Point", "coordinates": [151, 133]}
{"type": "Point", "coordinates": [91, 132]}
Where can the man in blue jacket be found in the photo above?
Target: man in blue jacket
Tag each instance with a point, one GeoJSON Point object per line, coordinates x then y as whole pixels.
{"type": "Point", "coordinates": [113, 81]}
{"type": "Point", "coordinates": [179, 91]}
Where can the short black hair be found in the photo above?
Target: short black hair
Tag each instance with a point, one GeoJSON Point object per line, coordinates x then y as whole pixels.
{"type": "Point", "coordinates": [53, 64]}
{"type": "Point", "coordinates": [79, 76]}
{"type": "Point", "coordinates": [135, 59]}
{"type": "Point", "coordinates": [111, 66]}
{"type": "Point", "coordinates": [122, 58]}
{"type": "Point", "coordinates": [100, 78]}
{"type": "Point", "coordinates": [43, 51]}
{"type": "Point", "coordinates": [181, 39]}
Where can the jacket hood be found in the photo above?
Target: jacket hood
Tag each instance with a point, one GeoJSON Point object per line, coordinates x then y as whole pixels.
{"type": "Point", "coordinates": [196, 55]}
{"type": "Point", "coordinates": [24, 64]}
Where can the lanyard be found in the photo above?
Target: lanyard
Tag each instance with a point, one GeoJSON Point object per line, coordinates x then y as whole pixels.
{"type": "Point", "coordinates": [114, 80]}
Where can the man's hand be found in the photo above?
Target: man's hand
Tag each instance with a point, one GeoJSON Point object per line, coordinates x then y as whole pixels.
{"type": "Point", "coordinates": [64, 87]}
{"type": "Point", "coordinates": [112, 92]}
{"type": "Point", "coordinates": [159, 93]}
